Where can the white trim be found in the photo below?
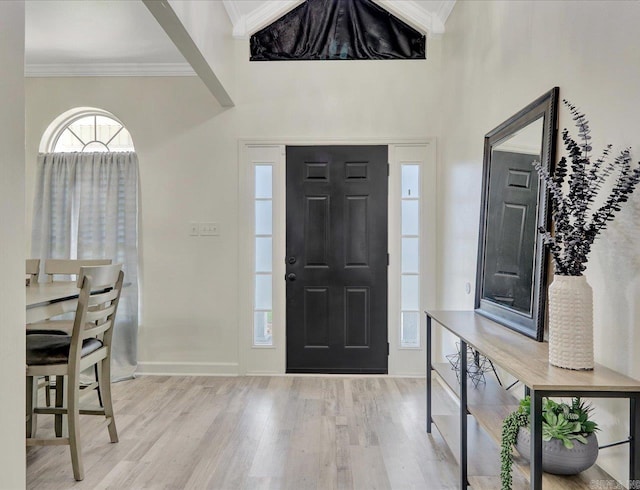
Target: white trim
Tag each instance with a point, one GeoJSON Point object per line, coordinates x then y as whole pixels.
{"type": "Point", "coordinates": [232, 11]}
{"type": "Point", "coordinates": [60, 123]}
{"type": "Point", "coordinates": [416, 16]}
{"type": "Point", "coordinates": [256, 358]}
{"type": "Point", "coordinates": [329, 141]}
{"type": "Point", "coordinates": [35, 70]}
{"type": "Point", "coordinates": [256, 361]}
{"type": "Point", "coordinates": [444, 10]}
{"type": "Point", "coordinates": [411, 359]}
{"type": "Point", "coordinates": [430, 22]}
{"type": "Point", "coordinates": [248, 24]}
{"type": "Point", "coordinates": [187, 368]}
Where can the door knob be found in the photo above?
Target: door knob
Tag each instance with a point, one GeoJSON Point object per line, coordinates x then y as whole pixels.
{"type": "Point", "coordinates": [291, 259]}
{"type": "Point", "coordinates": [291, 276]}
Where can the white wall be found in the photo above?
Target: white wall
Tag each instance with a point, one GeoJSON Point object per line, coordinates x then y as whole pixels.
{"type": "Point", "coordinates": [12, 255]}
{"type": "Point", "coordinates": [188, 151]}
{"type": "Point", "coordinates": [498, 57]}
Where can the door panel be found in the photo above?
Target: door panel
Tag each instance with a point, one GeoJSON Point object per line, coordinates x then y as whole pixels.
{"type": "Point", "coordinates": [337, 259]}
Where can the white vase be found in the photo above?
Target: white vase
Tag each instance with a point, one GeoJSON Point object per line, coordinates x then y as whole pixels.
{"type": "Point", "coordinates": [571, 322]}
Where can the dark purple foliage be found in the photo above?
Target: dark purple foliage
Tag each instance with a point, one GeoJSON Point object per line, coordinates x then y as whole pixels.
{"type": "Point", "coordinates": [574, 186]}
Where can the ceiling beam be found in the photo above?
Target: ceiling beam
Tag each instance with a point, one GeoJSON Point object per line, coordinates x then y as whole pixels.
{"type": "Point", "coordinates": [179, 34]}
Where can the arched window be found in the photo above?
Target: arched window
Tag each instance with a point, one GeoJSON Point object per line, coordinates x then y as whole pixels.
{"type": "Point", "coordinates": [86, 130]}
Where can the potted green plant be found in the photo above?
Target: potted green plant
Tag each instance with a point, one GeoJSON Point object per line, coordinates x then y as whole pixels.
{"type": "Point", "coordinates": [586, 193]}
{"type": "Point", "coordinates": [569, 444]}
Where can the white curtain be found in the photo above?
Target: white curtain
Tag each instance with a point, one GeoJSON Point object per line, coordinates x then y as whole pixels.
{"type": "Point", "coordinates": [86, 207]}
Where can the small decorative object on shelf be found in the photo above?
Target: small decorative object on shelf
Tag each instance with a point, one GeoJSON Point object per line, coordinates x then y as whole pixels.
{"type": "Point", "coordinates": [575, 187]}
{"type": "Point", "coordinates": [477, 365]}
{"type": "Point", "coordinates": [562, 425]}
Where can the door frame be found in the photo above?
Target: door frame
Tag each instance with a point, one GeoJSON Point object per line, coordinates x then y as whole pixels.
{"type": "Point", "coordinates": [271, 360]}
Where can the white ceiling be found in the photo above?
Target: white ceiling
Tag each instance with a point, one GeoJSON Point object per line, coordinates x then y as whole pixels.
{"type": "Point", "coordinates": [121, 37]}
{"type": "Point", "coordinates": [86, 36]}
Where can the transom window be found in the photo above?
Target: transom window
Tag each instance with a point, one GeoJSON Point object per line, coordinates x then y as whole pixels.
{"type": "Point", "coordinates": [93, 132]}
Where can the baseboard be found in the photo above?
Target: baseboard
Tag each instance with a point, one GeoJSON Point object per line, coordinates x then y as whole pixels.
{"type": "Point", "coordinates": [153, 368]}
{"type": "Point", "coordinates": [408, 375]}
{"type": "Point", "coordinates": [187, 369]}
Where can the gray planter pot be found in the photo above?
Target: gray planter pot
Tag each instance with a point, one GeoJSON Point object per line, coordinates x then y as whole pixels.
{"type": "Point", "coordinates": [556, 458]}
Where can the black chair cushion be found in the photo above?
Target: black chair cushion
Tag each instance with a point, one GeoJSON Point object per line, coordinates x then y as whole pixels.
{"type": "Point", "coordinates": [54, 349]}
{"type": "Point", "coordinates": [44, 331]}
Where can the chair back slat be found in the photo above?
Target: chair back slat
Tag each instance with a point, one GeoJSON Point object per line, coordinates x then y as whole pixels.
{"type": "Point", "coordinates": [94, 331]}
{"type": "Point", "coordinates": [101, 314]}
{"type": "Point", "coordinates": [102, 298]}
{"type": "Point", "coordinates": [71, 266]}
{"type": "Point", "coordinates": [101, 277]}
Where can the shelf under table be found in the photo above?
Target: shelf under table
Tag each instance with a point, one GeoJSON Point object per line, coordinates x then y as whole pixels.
{"type": "Point", "coordinates": [488, 403]}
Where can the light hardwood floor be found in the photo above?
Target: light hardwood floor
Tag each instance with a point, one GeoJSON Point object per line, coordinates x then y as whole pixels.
{"type": "Point", "coordinates": [257, 433]}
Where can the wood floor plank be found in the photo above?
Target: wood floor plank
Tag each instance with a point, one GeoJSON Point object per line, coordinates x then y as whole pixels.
{"type": "Point", "coordinates": [272, 433]}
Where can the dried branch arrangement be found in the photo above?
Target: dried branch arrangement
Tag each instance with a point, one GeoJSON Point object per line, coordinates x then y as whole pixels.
{"type": "Point", "coordinates": [574, 187]}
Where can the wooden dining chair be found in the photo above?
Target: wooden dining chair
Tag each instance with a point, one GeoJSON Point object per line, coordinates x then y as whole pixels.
{"type": "Point", "coordinates": [54, 268]}
{"type": "Point", "coordinates": [61, 355]}
{"type": "Point", "coordinates": [32, 270]}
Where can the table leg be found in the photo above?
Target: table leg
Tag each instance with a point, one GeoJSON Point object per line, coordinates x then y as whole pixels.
{"type": "Point", "coordinates": [634, 432]}
{"type": "Point", "coordinates": [428, 349]}
{"type": "Point", "coordinates": [463, 416]}
{"type": "Point", "coordinates": [536, 440]}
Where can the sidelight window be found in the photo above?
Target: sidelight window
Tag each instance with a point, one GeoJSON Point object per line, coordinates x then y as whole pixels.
{"type": "Point", "coordinates": [263, 263]}
{"type": "Point", "coordinates": [410, 256]}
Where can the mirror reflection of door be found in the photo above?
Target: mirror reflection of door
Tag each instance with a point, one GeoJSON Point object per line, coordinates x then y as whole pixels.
{"type": "Point", "coordinates": [512, 217]}
{"type": "Point", "coordinates": [336, 262]}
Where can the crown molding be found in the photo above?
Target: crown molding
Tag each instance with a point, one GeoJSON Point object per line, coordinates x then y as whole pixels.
{"type": "Point", "coordinates": [444, 10]}
{"type": "Point", "coordinates": [232, 11]}
{"type": "Point", "coordinates": [409, 11]}
{"type": "Point", "coordinates": [261, 17]}
{"type": "Point", "coordinates": [108, 70]}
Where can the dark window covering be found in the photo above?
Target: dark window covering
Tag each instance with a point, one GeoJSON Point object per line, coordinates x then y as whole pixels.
{"type": "Point", "coordinates": [337, 30]}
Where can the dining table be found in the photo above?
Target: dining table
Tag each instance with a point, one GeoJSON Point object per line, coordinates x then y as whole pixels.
{"type": "Point", "coordinates": [48, 299]}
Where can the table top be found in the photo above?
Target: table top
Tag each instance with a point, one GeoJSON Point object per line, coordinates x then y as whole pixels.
{"type": "Point", "coordinates": [527, 359]}
{"type": "Point", "coordinates": [49, 292]}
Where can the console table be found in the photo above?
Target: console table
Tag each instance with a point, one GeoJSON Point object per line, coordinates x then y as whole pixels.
{"type": "Point", "coordinates": [482, 409]}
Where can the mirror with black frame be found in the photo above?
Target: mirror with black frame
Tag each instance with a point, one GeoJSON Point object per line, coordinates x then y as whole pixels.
{"type": "Point", "coordinates": [511, 275]}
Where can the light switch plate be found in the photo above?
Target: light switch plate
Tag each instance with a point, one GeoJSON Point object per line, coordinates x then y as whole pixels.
{"type": "Point", "coordinates": [209, 229]}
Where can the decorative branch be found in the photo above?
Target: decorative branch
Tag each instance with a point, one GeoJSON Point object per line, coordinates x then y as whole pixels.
{"type": "Point", "coordinates": [573, 194]}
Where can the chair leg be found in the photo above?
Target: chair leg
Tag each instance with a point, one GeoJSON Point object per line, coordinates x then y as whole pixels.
{"type": "Point", "coordinates": [32, 401]}
{"type": "Point", "coordinates": [47, 390]}
{"type": "Point", "coordinates": [105, 389]}
{"type": "Point", "coordinates": [73, 416]}
{"type": "Point", "coordinates": [97, 371]}
{"type": "Point", "coordinates": [59, 403]}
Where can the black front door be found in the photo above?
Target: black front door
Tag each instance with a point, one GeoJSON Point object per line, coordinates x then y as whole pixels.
{"type": "Point", "coordinates": [336, 259]}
